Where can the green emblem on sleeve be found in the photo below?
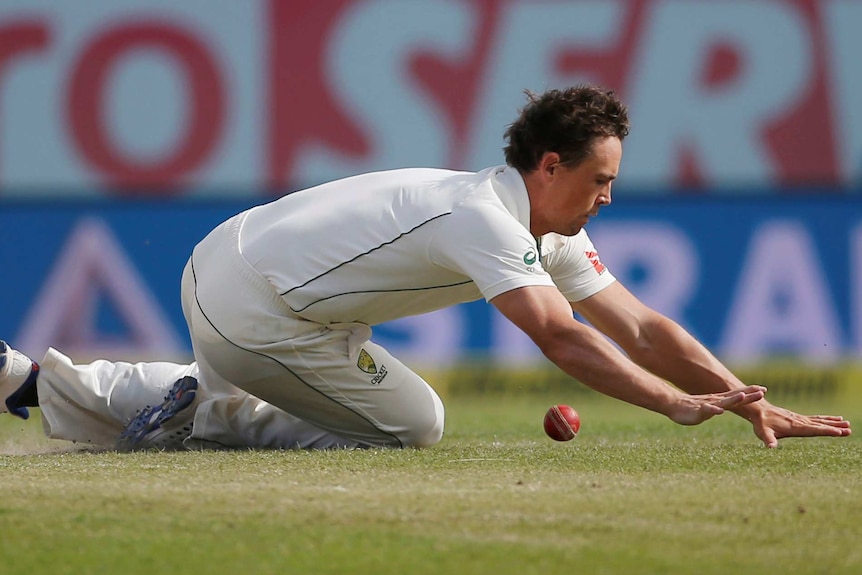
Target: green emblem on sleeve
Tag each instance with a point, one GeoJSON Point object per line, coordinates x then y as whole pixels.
{"type": "Point", "coordinates": [530, 257]}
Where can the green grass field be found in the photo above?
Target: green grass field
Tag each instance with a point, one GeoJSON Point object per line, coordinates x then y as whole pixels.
{"type": "Point", "coordinates": [633, 493]}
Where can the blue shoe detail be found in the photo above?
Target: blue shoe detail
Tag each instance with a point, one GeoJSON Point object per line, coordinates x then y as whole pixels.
{"type": "Point", "coordinates": [153, 422]}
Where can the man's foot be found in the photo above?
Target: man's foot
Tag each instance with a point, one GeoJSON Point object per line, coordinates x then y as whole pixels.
{"type": "Point", "coordinates": [163, 426]}
{"type": "Point", "coordinates": [18, 375]}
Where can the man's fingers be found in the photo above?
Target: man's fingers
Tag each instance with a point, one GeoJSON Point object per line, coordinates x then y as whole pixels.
{"type": "Point", "coordinates": [841, 425]}
{"type": "Point", "coordinates": [752, 397]}
{"type": "Point", "coordinates": [795, 425]}
{"type": "Point", "coordinates": [769, 438]}
{"type": "Point", "coordinates": [732, 400]}
{"type": "Point", "coordinates": [696, 409]}
{"type": "Point", "coordinates": [712, 409]}
{"type": "Point", "coordinates": [742, 397]}
{"type": "Point", "coordinates": [835, 420]}
{"type": "Point", "coordinates": [815, 428]}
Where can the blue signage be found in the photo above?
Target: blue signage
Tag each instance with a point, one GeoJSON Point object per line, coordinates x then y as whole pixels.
{"type": "Point", "coordinates": [751, 278]}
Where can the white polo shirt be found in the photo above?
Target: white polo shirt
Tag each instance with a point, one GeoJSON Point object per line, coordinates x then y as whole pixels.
{"type": "Point", "coordinates": [385, 245]}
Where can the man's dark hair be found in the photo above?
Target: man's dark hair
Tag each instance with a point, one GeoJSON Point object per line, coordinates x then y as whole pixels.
{"type": "Point", "coordinates": [566, 122]}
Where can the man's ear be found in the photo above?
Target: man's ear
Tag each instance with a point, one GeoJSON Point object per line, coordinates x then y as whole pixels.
{"type": "Point", "coordinates": [549, 163]}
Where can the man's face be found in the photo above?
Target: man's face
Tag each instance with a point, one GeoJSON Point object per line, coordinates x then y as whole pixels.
{"type": "Point", "coordinates": [575, 193]}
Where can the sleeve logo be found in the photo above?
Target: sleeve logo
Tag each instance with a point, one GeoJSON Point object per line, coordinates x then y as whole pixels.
{"type": "Point", "coordinates": [530, 257]}
{"type": "Point", "coordinates": [594, 259]}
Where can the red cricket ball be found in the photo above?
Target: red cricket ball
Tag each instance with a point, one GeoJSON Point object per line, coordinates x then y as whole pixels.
{"type": "Point", "coordinates": [562, 423]}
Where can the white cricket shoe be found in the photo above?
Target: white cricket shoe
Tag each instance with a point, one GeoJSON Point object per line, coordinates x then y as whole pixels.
{"type": "Point", "coordinates": [164, 426]}
{"type": "Point", "coordinates": [18, 375]}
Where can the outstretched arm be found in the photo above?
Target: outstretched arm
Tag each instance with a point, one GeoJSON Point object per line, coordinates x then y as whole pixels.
{"type": "Point", "coordinates": [663, 347]}
{"type": "Point", "coordinates": [544, 315]}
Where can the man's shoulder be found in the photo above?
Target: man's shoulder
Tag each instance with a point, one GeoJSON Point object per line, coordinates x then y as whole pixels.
{"type": "Point", "coordinates": [420, 174]}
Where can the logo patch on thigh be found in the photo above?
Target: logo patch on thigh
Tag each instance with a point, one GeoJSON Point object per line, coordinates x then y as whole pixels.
{"type": "Point", "coordinates": [365, 362]}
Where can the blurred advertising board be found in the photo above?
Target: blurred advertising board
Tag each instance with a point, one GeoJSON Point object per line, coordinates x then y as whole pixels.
{"type": "Point", "coordinates": [161, 99]}
{"type": "Point", "coordinates": [773, 277]}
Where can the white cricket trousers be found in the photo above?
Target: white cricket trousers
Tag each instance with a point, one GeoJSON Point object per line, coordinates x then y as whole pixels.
{"type": "Point", "coordinates": [267, 378]}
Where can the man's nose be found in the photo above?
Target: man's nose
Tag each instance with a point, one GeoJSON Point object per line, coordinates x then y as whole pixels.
{"type": "Point", "coordinates": [604, 198]}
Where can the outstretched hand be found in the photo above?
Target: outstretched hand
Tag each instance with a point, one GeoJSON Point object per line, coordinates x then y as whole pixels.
{"type": "Point", "coordinates": [772, 423]}
{"type": "Point", "coordinates": [695, 409]}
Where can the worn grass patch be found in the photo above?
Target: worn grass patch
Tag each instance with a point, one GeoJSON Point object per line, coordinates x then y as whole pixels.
{"type": "Point", "coordinates": [633, 493]}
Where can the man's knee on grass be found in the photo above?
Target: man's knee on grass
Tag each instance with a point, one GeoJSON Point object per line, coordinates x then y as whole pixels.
{"type": "Point", "coordinates": [428, 436]}
{"type": "Point", "coordinates": [425, 431]}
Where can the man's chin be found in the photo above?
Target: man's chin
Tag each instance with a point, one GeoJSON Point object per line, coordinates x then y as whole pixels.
{"type": "Point", "coordinates": [573, 231]}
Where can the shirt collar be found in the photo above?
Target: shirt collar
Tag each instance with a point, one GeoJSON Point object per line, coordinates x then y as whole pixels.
{"type": "Point", "coordinates": [512, 191]}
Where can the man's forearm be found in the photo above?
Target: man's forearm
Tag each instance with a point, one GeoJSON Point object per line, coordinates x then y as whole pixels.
{"type": "Point", "coordinates": [590, 359]}
{"type": "Point", "coordinates": [670, 352]}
